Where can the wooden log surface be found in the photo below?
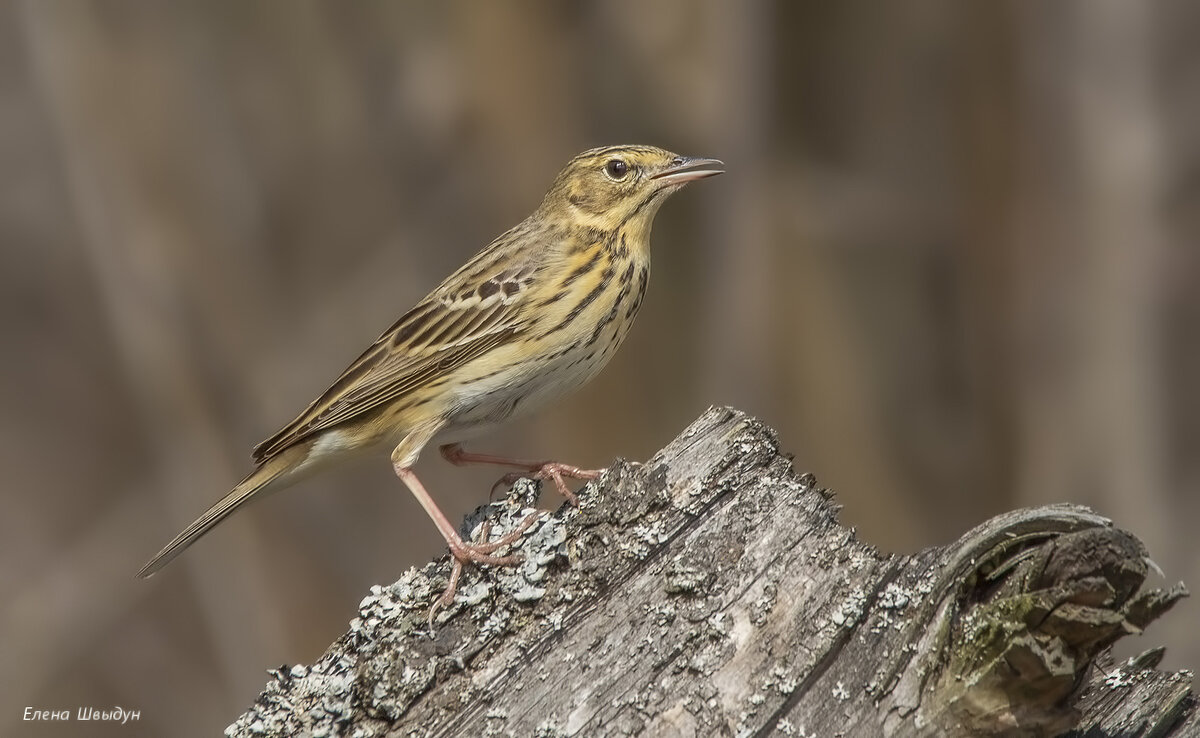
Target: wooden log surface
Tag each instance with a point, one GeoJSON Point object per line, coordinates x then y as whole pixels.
{"type": "Point", "coordinates": [712, 592]}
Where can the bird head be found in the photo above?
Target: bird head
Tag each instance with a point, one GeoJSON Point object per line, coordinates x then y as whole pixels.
{"type": "Point", "coordinates": [613, 186]}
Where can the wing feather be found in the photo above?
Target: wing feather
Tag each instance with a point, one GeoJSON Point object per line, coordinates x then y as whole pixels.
{"type": "Point", "coordinates": [449, 333]}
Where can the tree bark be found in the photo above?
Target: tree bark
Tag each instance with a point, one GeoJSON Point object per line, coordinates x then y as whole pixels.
{"type": "Point", "coordinates": [711, 591]}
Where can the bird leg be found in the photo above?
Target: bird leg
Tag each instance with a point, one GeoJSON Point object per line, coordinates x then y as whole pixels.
{"type": "Point", "coordinates": [553, 470]}
{"type": "Point", "coordinates": [463, 552]}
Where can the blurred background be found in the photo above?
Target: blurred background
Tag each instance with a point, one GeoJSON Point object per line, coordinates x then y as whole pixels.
{"type": "Point", "coordinates": [954, 262]}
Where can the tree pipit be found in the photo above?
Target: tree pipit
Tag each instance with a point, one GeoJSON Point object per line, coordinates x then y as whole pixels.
{"type": "Point", "coordinates": [535, 314]}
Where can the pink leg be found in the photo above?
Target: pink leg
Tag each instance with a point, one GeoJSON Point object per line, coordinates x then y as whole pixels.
{"type": "Point", "coordinates": [553, 470]}
{"type": "Point", "coordinates": [463, 552]}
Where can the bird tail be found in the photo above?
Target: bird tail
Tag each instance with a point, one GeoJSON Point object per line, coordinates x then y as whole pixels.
{"type": "Point", "coordinates": [275, 469]}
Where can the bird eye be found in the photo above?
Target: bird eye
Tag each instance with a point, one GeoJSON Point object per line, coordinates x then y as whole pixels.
{"type": "Point", "coordinates": [616, 169]}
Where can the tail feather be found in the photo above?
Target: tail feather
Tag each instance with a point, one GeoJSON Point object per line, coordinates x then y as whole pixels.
{"type": "Point", "coordinates": [276, 469]}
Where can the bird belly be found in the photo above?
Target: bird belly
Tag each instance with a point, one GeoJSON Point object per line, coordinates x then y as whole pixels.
{"type": "Point", "coordinates": [509, 388]}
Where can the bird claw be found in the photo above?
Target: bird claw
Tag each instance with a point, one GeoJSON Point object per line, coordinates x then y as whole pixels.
{"type": "Point", "coordinates": [552, 470]}
{"type": "Point", "coordinates": [464, 552]}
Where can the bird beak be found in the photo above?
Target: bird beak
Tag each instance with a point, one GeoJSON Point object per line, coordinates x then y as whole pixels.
{"type": "Point", "coordinates": [685, 169]}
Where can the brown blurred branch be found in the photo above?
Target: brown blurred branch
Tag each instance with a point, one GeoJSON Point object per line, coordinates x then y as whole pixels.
{"type": "Point", "coordinates": [141, 207]}
{"type": "Point", "coordinates": [712, 591]}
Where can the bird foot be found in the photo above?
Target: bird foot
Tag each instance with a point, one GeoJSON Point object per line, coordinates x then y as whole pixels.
{"type": "Point", "coordinates": [554, 471]}
{"type": "Point", "coordinates": [468, 552]}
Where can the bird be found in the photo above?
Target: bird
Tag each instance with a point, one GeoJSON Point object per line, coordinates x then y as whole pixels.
{"type": "Point", "coordinates": [535, 314]}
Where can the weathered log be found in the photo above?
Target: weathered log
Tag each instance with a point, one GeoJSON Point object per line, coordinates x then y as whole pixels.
{"type": "Point", "coordinates": [711, 591]}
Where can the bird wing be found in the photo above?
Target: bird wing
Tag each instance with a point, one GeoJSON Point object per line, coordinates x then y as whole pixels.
{"type": "Point", "coordinates": [443, 332]}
